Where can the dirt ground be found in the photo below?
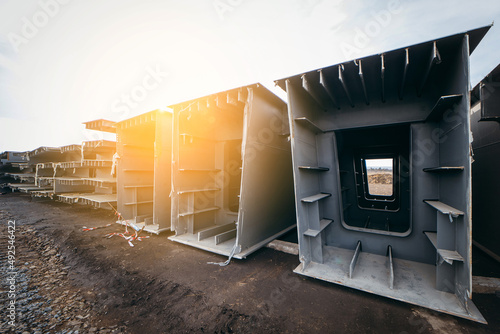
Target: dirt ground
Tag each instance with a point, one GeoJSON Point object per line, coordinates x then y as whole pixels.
{"type": "Point", "coordinates": [85, 283]}
{"type": "Point", "coordinates": [380, 182]}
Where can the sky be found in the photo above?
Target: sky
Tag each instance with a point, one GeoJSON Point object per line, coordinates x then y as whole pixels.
{"type": "Point", "coordinates": [64, 62]}
{"type": "Point", "coordinates": [379, 163]}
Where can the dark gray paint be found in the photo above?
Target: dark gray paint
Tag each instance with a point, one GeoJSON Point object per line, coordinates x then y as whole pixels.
{"type": "Point", "coordinates": [424, 88]}
{"type": "Point", "coordinates": [485, 169]}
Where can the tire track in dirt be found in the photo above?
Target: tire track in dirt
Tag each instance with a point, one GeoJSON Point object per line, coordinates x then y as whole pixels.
{"type": "Point", "coordinates": [154, 305]}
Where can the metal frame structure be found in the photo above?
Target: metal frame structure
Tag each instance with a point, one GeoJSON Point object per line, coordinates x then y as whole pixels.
{"type": "Point", "coordinates": [10, 157]}
{"type": "Point", "coordinates": [52, 179]}
{"type": "Point", "coordinates": [232, 184]}
{"type": "Point", "coordinates": [410, 105]}
{"type": "Point", "coordinates": [95, 181]}
{"type": "Point", "coordinates": [76, 173]}
{"type": "Point", "coordinates": [34, 170]}
{"type": "Point", "coordinates": [143, 170]}
{"type": "Point", "coordinates": [88, 180]}
{"type": "Point", "coordinates": [9, 164]}
{"type": "Point", "coordinates": [485, 125]}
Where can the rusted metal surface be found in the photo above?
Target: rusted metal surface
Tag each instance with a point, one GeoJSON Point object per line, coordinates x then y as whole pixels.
{"type": "Point", "coordinates": [408, 108]}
